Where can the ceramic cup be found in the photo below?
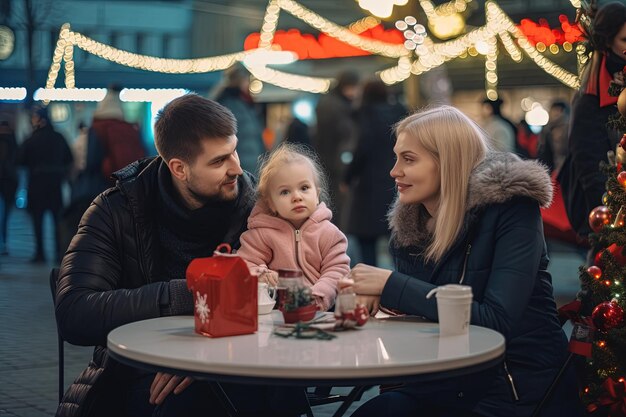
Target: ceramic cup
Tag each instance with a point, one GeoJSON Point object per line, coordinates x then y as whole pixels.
{"type": "Point", "coordinates": [267, 298]}
{"type": "Point", "coordinates": [454, 307]}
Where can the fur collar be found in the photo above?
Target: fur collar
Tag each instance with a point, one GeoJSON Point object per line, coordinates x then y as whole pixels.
{"type": "Point", "coordinates": [500, 177]}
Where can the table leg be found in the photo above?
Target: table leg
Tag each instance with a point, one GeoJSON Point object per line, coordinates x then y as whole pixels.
{"type": "Point", "coordinates": [354, 395]}
{"type": "Point", "coordinates": [223, 397]}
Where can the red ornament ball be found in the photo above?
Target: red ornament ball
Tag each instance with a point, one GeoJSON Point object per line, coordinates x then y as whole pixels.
{"type": "Point", "coordinates": [599, 217]}
{"type": "Point", "coordinates": [622, 142]}
{"type": "Point", "coordinates": [608, 315]}
{"type": "Point", "coordinates": [621, 177]}
{"type": "Point", "coordinates": [594, 271]}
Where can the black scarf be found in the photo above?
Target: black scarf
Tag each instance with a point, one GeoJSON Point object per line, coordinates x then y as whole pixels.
{"type": "Point", "coordinates": [187, 234]}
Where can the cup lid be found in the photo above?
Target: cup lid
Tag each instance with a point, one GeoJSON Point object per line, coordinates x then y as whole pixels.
{"type": "Point", "coordinates": [451, 290]}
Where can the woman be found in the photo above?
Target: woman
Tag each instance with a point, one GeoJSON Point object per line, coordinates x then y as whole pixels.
{"type": "Point", "coordinates": [465, 214]}
{"type": "Point", "coordinates": [590, 138]}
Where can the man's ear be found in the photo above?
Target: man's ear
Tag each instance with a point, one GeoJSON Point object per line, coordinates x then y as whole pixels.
{"type": "Point", "coordinates": [178, 168]}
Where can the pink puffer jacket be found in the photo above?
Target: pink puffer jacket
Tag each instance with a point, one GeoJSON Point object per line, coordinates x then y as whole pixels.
{"type": "Point", "coordinates": [318, 248]}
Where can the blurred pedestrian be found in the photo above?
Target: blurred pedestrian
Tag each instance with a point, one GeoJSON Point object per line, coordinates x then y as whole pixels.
{"type": "Point", "coordinates": [48, 160]}
{"type": "Point", "coordinates": [235, 95]}
{"type": "Point", "coordinates": [554, 140]}
{"type": "Point", "coordinates": [336, 133]}
{"type": "Point", "coordinates": [79, 150]}
{"type": "Point", "coordinates": [367, 175]}
{"type": "Point", "coordinates": [8, 178]}
{"type": "Point", "coordinates": [526, 141]}
{"type": "Point", "coordinates": [113, 142]}
{"type": "Point", "coordinates": [501, 130]}
{"type": "Point", "coordinates": [298, 132]}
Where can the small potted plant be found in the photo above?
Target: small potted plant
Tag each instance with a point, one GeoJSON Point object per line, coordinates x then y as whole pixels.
{"type": "Point", "coordinates": [299, 305]}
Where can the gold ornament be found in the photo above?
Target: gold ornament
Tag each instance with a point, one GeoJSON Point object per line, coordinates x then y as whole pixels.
{"type": "Point", "coordinates": [621, 102]}
{"type": "Point", "coordinates": [620, 154]}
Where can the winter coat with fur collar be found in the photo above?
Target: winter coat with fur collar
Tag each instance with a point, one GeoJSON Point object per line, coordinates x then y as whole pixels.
{"type": "Point", "coordinates": [318, 248]}
{"type": "Point", "coordinates": [501, 254]}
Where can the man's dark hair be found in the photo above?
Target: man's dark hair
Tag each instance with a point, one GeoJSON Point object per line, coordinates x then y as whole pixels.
{"type": "Point", "coordinates": [183, 123]}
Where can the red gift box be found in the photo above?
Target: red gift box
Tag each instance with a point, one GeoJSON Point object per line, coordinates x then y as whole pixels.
{"type": "Point", "coordinates": [224, 294]}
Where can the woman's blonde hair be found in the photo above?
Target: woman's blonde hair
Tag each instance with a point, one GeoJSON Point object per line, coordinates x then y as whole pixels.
{"type": "Point", "coordinates": [286, 153]}
{"type": "Point", "coordinates": [458, 145]}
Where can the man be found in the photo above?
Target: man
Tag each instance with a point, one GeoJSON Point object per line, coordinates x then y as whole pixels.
{"type": "Point", "coordinates": [48, 160]}
{"type": "Point", "coordinates": [128, 259]}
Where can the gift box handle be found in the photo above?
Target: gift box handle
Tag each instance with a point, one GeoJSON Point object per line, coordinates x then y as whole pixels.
{"type": "Point", "coordinates": [223, 246]}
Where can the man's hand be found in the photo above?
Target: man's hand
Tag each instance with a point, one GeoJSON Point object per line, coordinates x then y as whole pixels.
{"type": "Point", "coordinates": [371, 302]}
{"type": "Point", "coordinates": [164, 384]}
{"type": "Point", "coordinates": [369, 280]}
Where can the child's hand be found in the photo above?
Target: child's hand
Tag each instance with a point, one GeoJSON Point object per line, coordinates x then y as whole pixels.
{"type": "Point", "coordinates": [345, 285]}
{"type": "Point", "coordinates": [319, 302]}
{"type": "Point", "coordinates": [269, 276]}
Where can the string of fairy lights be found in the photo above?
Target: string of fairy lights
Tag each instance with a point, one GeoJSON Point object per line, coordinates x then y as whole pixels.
{"type": "Point", "coordinates": [417, 55]}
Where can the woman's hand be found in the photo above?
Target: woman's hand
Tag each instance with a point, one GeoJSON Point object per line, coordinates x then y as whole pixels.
{"type": "Point", "coordinates": [164, 384]}
{"type": "Point", "coordinates": [369, 280]}
{"type": "Point", "coordinates": [371, 302]}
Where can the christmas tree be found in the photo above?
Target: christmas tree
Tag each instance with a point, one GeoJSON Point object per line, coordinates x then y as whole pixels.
{"type": "Point", "coordinates": [601, 301]}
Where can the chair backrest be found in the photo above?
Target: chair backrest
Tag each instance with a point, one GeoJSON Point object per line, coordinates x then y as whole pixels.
{"type": "Point", "coordinates": [54, 276]}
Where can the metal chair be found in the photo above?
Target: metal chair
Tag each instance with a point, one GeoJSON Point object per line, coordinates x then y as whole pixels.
{"type": "Point", "coordinates": [323, 396]}
{"type": "Point", "coordinates": [54, 275]}
{"type": "Point", "coordinates": [555, 382]}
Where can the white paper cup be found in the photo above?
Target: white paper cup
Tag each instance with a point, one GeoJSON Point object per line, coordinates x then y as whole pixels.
{"type": "Point", "coordinates": [454, 307]}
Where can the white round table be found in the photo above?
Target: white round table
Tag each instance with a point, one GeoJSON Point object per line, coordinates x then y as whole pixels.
{"type": "Point", "coordinates": [382, 351]}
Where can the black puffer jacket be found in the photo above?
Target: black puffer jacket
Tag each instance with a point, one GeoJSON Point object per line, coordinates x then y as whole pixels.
{"type": "Point", "coordinates": [501, 254]}
{"type": "Point", "coordinates": [111, 275]}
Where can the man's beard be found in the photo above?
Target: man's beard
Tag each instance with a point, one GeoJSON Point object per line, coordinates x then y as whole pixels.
{"type": "Point", "coordinates": [219, 197]}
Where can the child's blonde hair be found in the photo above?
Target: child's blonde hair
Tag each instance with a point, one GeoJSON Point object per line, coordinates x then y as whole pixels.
{"type": "Point", "coordinates": [286, 153]}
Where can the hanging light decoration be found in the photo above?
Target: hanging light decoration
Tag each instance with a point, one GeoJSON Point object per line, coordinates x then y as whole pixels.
{"type": "Point", "coordinates": [381, 8]}
{"type": "Point", "coordinates": [445, 21]}
{"type": "Point", "coordinates": [417, 55]}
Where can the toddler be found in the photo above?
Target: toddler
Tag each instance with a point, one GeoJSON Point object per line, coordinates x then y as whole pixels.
{"type": "Point", "coordinates": [290, 228]}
